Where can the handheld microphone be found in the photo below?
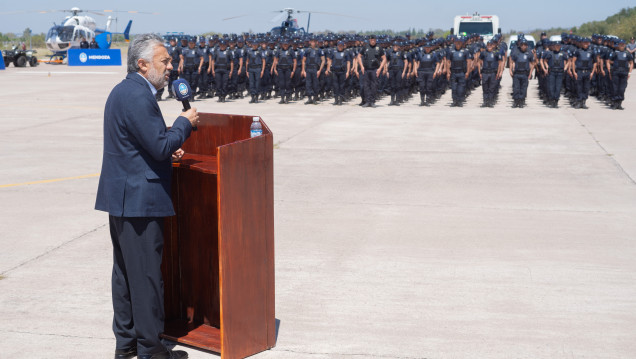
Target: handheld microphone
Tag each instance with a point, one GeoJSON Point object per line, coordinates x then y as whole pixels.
{"type": "Point", "coordinates": [182, 91]}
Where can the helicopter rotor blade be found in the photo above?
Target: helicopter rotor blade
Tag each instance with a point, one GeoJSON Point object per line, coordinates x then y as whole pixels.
{"type": "Point", "coordinates": [236, 17]}
{"type": "Point", "coordinates": [332, 14]}
{"type": "Point", "coordinates": [279, 17]}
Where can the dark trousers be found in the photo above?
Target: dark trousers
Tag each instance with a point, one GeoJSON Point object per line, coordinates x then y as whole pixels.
{"type": "Point", "coordinates": [311, 82]}
{"type": "Point", "coordinates": [137, 284]}
{"type": "Point", "coordinates": [203, 79]}
{"type": "Point", "coordinates": [266, 80]}
{"type": "Point", "coordinates": [458, 85]}
{"type": "Point", "coordinates": [520, 86]}
{"type": "Point", "coordinates": [583, 84]}
{"type": "Point", "coordinates": [221, 77]}
{"type": "Point", "coordinates": [369, 84]}
{"type": "Point", "coordinates": [191, 75]}
{"type": "Point", "coordinates": [489, 85]}
{"type": "Point", "coordinates": [619, 84]}
{"type": "Point", "coordinates": [339, 80]}
{"type": "Point", "coordinates": [284, 80]}
{"type": "Point", "coordinates": [425, 82]}
{"type": "Point", "coordinates": [233, 82]}
{"type": "Point", "coordinates": [555, 81]}
{"type": "Point", "coordinates": [254, 80]}
{"type": "Point", "coordinates": [395, 77]}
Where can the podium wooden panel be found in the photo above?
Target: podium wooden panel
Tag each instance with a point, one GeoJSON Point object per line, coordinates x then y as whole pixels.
{"type": "Point", "coordinates": [218, 260]}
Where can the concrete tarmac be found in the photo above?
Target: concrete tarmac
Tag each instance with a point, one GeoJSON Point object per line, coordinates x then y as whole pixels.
{"type": "Point", "coordinates": [401, 232]}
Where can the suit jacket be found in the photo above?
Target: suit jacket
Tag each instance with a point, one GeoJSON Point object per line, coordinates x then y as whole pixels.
{"type": "Point", "coordinates": [136, 167]}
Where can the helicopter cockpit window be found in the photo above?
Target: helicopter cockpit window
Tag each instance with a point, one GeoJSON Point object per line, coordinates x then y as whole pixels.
{"type": "Point", "coordinates": [65, 33]}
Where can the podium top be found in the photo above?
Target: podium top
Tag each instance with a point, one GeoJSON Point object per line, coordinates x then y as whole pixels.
{"type": "Point", "coordinates": [216, 130]}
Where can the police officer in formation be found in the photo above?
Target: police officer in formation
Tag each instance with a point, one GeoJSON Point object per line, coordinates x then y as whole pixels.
{"type": "Point", "coordinates": [347, 66]}
{"type": "Point", "coordinates": [222, 66]}
{"type": "Point", "coordinates": [370, 61]}
{"type": "Point", "coordinates": [427, 67]}
{"type": "Point", "coordinates": [490, 67]}
{"type": "Point", "coordinates": [460, 66]}
{"type": "Point", "coordinates": [339, 64]}
{"type": "Point", "coordinates": [255, 69]}
{"type": "Point", "coordinates": [284, 67]}
{"type": "Point", "coordinates": [521, 66]}
{"type": "Point", "coordinates": [312, 63]}
{"type": "Point", "coordinates": [555, 62]}
{"type": "Point", "coordinates": [191, 65]}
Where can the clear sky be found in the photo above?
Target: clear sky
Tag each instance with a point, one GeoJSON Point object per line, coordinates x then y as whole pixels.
{"type": "Point", "coordinates": [199, 16]}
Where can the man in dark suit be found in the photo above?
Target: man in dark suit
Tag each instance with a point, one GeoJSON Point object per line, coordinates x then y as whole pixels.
{"type": "Point", "coordinates": [134, 188]}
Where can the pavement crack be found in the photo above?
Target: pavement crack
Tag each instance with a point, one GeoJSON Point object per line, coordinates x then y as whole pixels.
{"type": "Point", "coordinates": [51, 250]}
{"type": "Point", "coordinates": [364, 355]}
{"type": "Point", "coordinates": [54, 335]}
{"type": "Point", "coordinates": [611, 156]}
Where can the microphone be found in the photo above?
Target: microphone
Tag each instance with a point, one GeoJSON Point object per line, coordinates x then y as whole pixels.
{"type": "Point", "coordinates": [182, 90]}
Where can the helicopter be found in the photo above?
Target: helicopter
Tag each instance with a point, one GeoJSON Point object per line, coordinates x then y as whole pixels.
{"type": "Point", "coordinates": [289, 26]}
{"type": "Point", "coordinates": [68, 35]}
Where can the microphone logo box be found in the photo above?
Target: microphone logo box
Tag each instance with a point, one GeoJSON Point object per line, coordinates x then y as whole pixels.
{"type": "Point", "coordinates": [183, 89]}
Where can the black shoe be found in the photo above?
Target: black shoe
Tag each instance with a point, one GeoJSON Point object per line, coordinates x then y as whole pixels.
{"type": "Point", "coordinates": [366, 104]}
{"type": "Point", "coordinates": [126, 353]}
{"type": "Point", "coordinates": [282, 100]}
{"type": "Point", "coordinates": [362, 103]}
{"type": "Point", "coordinates": [485, 104]}
{"type": "Point", "coordinates": [309, 100]}
{"type": "Point", "coordinates": [515, 104]}
{"type": "Point", "coordinates": [252, 99]}
{"type": "Point", "coordinates": [583, 106]}
{"type": "Point", "coordinates": [170, 354]}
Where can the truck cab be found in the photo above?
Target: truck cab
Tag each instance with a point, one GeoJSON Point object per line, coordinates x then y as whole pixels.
{"type": "Point", "coordinates": [485, 25]}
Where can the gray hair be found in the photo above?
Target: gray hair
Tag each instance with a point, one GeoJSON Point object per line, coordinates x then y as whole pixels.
{"type": "Point", "coordinates": [142, 47]}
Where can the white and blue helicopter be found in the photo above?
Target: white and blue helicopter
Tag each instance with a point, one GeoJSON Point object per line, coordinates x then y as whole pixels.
{"type": "Point", "coordinates": [76, 27]}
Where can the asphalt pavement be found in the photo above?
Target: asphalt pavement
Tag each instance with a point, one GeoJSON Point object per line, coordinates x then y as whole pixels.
{"type": "Point", "coordinates": [401, 232]}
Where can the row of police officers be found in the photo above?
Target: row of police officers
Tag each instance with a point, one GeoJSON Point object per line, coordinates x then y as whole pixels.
{"type": "Point", "coordinates": [345, 67]}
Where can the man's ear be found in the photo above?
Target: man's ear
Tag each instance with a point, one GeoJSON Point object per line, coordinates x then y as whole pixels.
{"type": "Point", "coordinates": [143, 65]}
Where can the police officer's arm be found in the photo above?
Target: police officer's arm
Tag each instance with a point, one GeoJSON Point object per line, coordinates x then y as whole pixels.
{"type": "Point", "coordinates": [240, 65]}
{"type": "Point", "coordinates": [384, 63]}
{"type": "Point", "coordinates": [231, 60]}
{"type": "Point", "coordinates": [200, 64]}
{"type": "Point", "coordinates": [469, 67]}
{"type": "Point", "coordinates": [576, 76]}
{"type": "Point", "coordinates": [263, 60]}
{"type": "Point", "coordinates": [322, 64]}
{"type": "Point", "coordinates": [532, 63]}
{"type": "Point", "coordinates": [329, 62]}
{"type": "Point", "coordinates": [295, 64]}
{"type": "Point", "coordinates": [348, 69]}
{"type": "Point", "coordinates": [180, 69]}
{"type": "Point", "coordinates": [360, 64]}
{"type": "Point", "coordinates": [274, 64]}
{"type": "Point", "coordinates": [302, 71]}
{"type": "Point", "coordinates": [406, 65]}
{"type": "Point", "coordinates": [501, 66]}
{"type": "Point", "coordinates": [212, 62]}
{"type": "Point", "coordinates": [512, 66]}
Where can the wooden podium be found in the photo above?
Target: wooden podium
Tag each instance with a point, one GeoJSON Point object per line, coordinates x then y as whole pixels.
{"type": "Point", "coordinates": [218, 259]}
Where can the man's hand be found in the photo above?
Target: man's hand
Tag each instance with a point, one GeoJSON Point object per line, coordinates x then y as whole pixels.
{"type": "Point", "coordinates": [192, 115]}
{"type": "Point", "coordinates": [177, 155]}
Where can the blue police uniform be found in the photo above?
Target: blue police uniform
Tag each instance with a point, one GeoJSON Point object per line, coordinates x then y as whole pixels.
{"type": "Point", "coordinates": [490, 67]}
{"type": "Point", "coordinates": [583, 64]}
{"type": "Point", "coordinates": [556, 61]}
{"type": "Point", "coordinates": [222, 66]}
{"type": "Point", "coordinates": [191, 60]}
{"type": "Point", "coordinates": [458, 67]}
{"type": "Point", "coordinates": [520, 77]}
{"type": "Point", "coordinates": [339, 62]}
{"type": "Point", "coordinates": [284, 67]}
{"type": "Point", "coordinates": [620, 73]}
{"type": "Point", "coordinates": [255, 59]}
{"type": "Point", "coordinates": [313, 58]}
{"type": "Point", "coordinates": [427, 62]}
